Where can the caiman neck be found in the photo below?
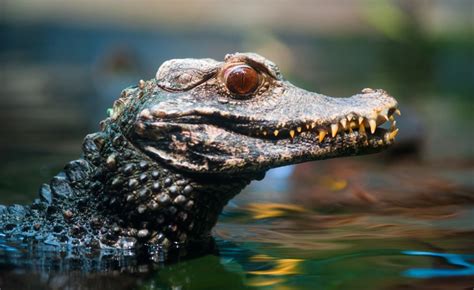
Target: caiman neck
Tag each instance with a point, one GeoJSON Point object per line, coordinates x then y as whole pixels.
{"type": "Point", "coordinates": [116, 196]}
{"type": "Point", "coordinates": [148, 201]}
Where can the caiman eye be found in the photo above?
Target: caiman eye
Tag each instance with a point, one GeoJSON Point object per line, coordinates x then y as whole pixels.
{"type": "Point", "coordinates": [241, 79]}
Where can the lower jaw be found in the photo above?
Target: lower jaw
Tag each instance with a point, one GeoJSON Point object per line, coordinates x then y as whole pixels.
{"type": "Point", "coordinates": [306, 148]}
{"type": "Point", "coordinates": [352, 144]}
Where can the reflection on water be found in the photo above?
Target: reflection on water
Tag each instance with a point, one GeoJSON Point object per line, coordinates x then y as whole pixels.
{"type": "Point", "coordinates": [347, 224]}
{"type": "Point", "coordinates": [466, 267]}
{"type": "Point", "coordinates": [269, 210]}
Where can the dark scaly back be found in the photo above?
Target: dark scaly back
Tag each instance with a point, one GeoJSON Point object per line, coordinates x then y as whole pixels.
{"type": "Point", "coordinates": [116, 196]}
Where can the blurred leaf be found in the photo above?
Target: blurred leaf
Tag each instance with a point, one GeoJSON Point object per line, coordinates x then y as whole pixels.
{"type": "Point", "coordinates": [387, 18]}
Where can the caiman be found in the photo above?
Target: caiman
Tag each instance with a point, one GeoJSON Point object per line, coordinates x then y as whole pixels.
{"type": "Point", "coordinates": [175, 149]}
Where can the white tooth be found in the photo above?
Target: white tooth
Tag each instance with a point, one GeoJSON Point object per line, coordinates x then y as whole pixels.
{"type": "Point", "coordinates": [307, 126]}
{"type": "Point", "coordinates": [275, 133]}
{"type": "Point", "coordinates": [292, 133]}
{"type": "Point", "coordinates": [384, 116]}
{"type": "Point", "coordinates": [393, 134]}
{"type": "Point", "coordinates": [361, 120]}
{"type": "Point", "coordinates": [141, 84]}
{"type": "Point", "coordinates": [397, 111]}
{"type": "Point", "coordinates": [391, 118]}
{"type": "Point", "coordinates": [334, 128]}
{"type": "Point", "coordinates": [373, 125]}
{"type": "Point", "coordinates": [350, 117]}
{"type": "Point", "coordinates": [394, 124]}
{"type": "Point", "coordinates": [313, 125]}
{"type": "Point", "coordinates": [322, 134]}
{"type": "Point", "coordinates": [298, 129]}
{"type": "Point", "coordinates": [344, 123]}
{"type": "Point", "coordinates": [264, 133]}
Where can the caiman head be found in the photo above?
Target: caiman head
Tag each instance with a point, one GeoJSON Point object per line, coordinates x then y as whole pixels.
{"type": "Point", "coordinates": [240, 116]}
{"type": "Point", "coordinates": [176, 148]}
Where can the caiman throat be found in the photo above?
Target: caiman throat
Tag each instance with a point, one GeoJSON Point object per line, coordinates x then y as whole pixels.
{"type": "Point", "coordinates": [175, 149]}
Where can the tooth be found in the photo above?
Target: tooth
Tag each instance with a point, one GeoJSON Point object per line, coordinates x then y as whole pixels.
{"type": "Point", "coordinates": [397, 111]}
{"type": "Point", "coordinates": [373, 125]}
{"type": "Point", "coordinates": [362, 129]}
{"type": "Point", "coordinates": [307, 126]}
{"type": "Point", "coordinates": [361, 120]}
{"type": "Point", "coordinates": [298, 129]}
{"type": "Point", "coordinates": [334, 128]}
{"type": "Point", "coordinates": [264, 133]}
{"type": "Point", "coordinates": [141, 84]}
{"type": "Point", "coordinates": [275, 133]}
{"type": "Point", "coordinates": [393, 134]}
{"type": "Point", "coordinates": [322, 134]}
{"type": "Point", "coordinates": [393, 126]}
{"type": "Point", "coordinates": [292, 133]}
{"type": "Point", "coordinates": [367, 90]}
{"type": "Point", "coordinates": [391, 118]}
{"type": "Point", "coordinates": [344, 123]}
{"type": "Point", "coordinates": [313, 125]}
{"type": "Point", "coordinates": [383, 115]}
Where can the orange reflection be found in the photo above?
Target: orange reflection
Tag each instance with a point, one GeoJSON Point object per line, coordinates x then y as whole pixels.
{"type": "Point", "coordinates": [263, 282]}
{"type": "Point", "coordinates": [282, 267]}
{"type": "Point", "coordinates": [271, 210]}
{"type": "Point", "coordinates": [333, 184]}
{"type": "Point", "coordinates": [261, 258]}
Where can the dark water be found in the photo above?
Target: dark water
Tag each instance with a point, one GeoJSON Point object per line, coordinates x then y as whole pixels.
{"type": "Point", "coordinates": [398, 220]}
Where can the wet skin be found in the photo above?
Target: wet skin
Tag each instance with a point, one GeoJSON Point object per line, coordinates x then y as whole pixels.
{"type": "Point", "coordinates": [178, 147]}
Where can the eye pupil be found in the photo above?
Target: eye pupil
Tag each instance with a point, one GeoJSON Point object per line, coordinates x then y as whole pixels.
{"type": "Point", "coordinates": [241, 79]}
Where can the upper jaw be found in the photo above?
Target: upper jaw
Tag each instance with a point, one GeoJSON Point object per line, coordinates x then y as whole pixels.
{"type": "Point", "coordinates": [203, 137]}
{"type": "Point", "coordinates": [323, 114]}
{"type": "Point", "coordinates": [380, 119]}
{"type": "Point", "coordinates": [298, 113]}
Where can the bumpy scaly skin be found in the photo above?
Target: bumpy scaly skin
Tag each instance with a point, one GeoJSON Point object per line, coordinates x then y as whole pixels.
{"type": "Point", "coordinates": [177, 148]}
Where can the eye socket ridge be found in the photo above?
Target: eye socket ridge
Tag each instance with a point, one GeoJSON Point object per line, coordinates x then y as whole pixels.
{"type": "Point", "coordinates": [242, 79]}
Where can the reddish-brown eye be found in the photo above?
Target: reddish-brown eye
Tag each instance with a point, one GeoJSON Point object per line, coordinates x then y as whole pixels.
{"type": "Point", "coordinates": [241, 79]}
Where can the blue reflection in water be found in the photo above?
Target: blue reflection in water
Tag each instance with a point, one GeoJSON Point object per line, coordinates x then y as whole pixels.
{"type": "Point", "coordinates": [4, 247]}
{"type": "Point", "coordinates": [453, 259]}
